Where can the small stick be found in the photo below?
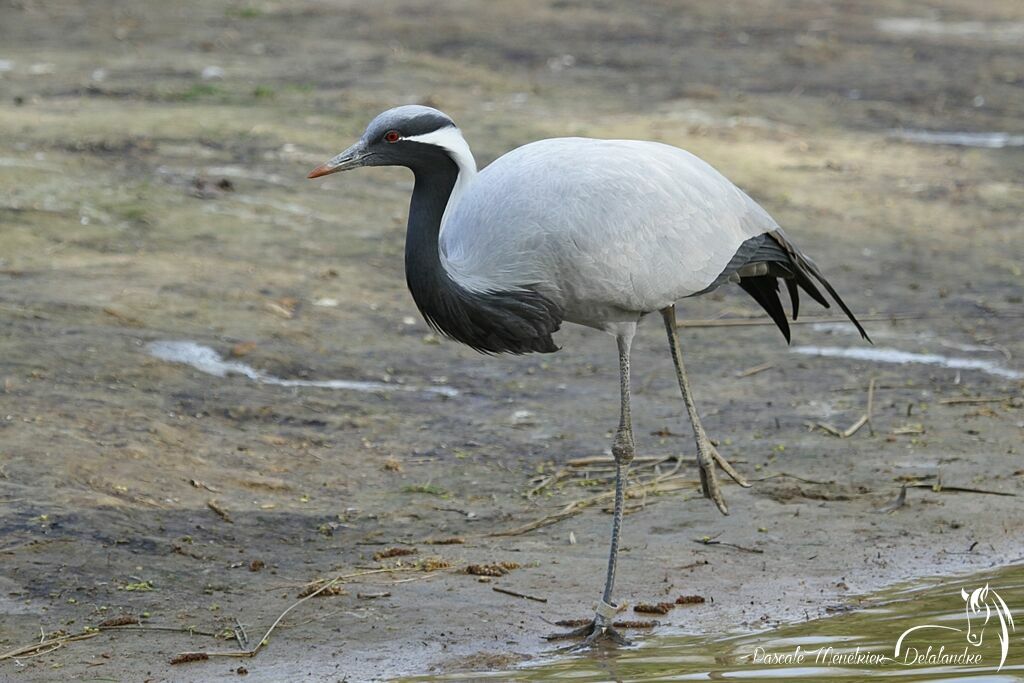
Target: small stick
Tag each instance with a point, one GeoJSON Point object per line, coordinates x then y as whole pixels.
{"type": "Point", "coordinates": [506, 591]}
{"type": "Point", "coordinates": [754, 370]}
{"type": "Point", "coordinates": [940, 487]}
{"type": "Point", "coordinates": [468, 514]}
{"type": "Point", "coordinates": [240, 635]}
{"type": "Point", "coordinates": [221, 512]}
{"type": "Point", "coordinates": [698, 563]}
{"type": "Point", "coordinates": [413, 578]}
{"type": "Point", "coordinates": [793, 476]}
{"type": "Point", "coordinates": [607, 459]}
{"type": "Point", "coordinates": [365, 572]}
{"type": "Point", "coordinates": [829, 428]}
{"type": "Point", "coordinates": [710, 540]}
{"type": "Point", "coordinates": [186, 656]}
{"type": "Point", "coordinates": [855, 427]}
{"type": "Point", "coordinates": [900, 501]}
{"type": "Point", "coordinates": [972, 400]}
{"type": "Point", "coordinates": [548, 481]}
{"type": "Point", "coordinates": [871, 403]}
{"type": "Point", "coordinates": [53, 643]}
{"type": "Point", "coordinates": [147, 627]}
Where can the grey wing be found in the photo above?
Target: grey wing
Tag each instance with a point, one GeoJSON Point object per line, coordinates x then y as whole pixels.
{"type": "Point", "coordinates": [624, 224]}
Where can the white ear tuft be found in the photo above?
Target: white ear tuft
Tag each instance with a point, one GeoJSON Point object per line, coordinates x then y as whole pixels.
{"type": "Point", "coordinates": [450, 140]}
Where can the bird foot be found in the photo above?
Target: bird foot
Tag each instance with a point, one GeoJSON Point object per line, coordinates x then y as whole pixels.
{"type": "Point", "coordinates": [707, 457]}
{"type": "Point", "coordinates": [593, 634]}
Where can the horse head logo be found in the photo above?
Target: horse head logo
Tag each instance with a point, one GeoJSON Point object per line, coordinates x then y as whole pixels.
{"type": "Point", "coordinates": [981, 605]}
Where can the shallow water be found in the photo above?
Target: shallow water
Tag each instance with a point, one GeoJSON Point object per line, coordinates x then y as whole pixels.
{"type": "Point", "coordinates": [854, 646]}
{"type": "Point", "coordinates": [206, 359]}
{"type": "Point", "coordinates": [986, 140]}
{"type": "Point", "coordinates": [887, 355]}
{"type": "Point", "coordinates": [986, 31]}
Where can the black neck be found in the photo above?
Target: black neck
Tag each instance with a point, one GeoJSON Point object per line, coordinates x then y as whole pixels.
{"type": "Point", "coordinates": [490, 322]}
{"type": "Point", "coordinates": [424, 272]}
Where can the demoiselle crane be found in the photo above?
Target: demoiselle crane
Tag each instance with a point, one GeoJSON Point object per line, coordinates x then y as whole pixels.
{"type": "Point", "coordinates": [594, 232]}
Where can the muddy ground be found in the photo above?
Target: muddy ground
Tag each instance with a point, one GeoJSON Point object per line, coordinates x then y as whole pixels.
{"type": "Point", "coordinates": [152, 162]}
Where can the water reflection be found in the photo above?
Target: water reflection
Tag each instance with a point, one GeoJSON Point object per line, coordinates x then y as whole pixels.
{"type": "Point", "coordinates": [853, 647]}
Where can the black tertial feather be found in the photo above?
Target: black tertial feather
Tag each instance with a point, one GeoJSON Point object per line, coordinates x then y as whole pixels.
{"type": "Point", "coordinates": [794, 296]}
{"type": "Point", "coordinates": [765, 290]}
{"type": "Point", "coordinates": [803, 267]}
{"type": "Point", "coordinates": [762, 259]}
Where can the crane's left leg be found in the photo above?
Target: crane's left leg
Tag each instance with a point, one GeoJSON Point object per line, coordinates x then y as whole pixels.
{"type": "Point", "coordinates": [622, 449]}
{"type": "Point", "coordinates": [707, 455]}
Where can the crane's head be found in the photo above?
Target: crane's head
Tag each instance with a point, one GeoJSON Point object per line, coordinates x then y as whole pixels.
{"type": "Point", "coordinates": [413, 136]}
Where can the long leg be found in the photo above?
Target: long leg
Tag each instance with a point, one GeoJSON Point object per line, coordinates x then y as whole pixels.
{"type": "Point", "coordinates": [622, 450]}
{"type": "Point", "coordinates": [707, 455]}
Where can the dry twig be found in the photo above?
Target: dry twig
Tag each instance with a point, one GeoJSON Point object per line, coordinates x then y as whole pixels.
{"type": "Point", "coordinates": [900, 501]}
{"type": "Point", "coordinates": [939, 487]}
{"type": "Point", "coordinates": [711, 540]}
{"type": "Point", "coordinates": [660, 483]}
{"type": "Point", "coordinates": [514, 594]}
{"type": "Point", "coordinates": [973, 400]}
{"type": "Point", "coordinates": [45, 645]}
{"type": "Point", "coordinates": [793, 476]}
{"type": "Point", "coordinates": [754, 370]}
{"type": "Point", "coordinates": [251, 652]}
{"type": "Point", "coordinates": [221, 512]}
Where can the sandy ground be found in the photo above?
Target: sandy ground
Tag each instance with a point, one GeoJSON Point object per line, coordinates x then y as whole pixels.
{"type": "Point", "coordinates": [152, 162]}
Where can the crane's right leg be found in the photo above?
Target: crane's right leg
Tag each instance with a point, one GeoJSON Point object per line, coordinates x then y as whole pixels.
{"type": "Point", "coordinates": [707, 455]}
{"type": "Point", "coordinates": [622, 449]}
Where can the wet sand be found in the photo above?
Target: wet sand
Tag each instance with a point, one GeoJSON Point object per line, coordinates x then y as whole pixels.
{"type": "Point", "coordinates": [153, 162]}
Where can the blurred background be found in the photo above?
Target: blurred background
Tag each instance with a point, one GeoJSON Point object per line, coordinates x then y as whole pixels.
{"type": "Point", "coordinates": [152, 165]}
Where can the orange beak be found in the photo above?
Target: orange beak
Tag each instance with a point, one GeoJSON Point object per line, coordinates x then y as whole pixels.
{"type": "Point", "coordinates": [321, 170]}
{"type": "Point", "coordinates": [353, 157]}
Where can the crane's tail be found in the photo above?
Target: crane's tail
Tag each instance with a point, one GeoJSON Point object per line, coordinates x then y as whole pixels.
{"type": "Point", "coordinates": [777, 257]}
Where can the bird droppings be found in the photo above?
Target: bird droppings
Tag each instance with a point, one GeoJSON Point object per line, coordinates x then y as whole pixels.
{"type": "Point", "coordinates": [321, 592]}
{"type": "Point", "coordinates": [428, 488]}
{"type": "Point", "coordinates": [634, 623]}
{"type": "Point", "coordinates": [374, 596]}
{"type": "Point", "coordinates": [393, 552]}
{"type": "Point", "coordinates": [621, 623]}
{"type": "Point", "coordinates": [137, 587]}
{"type": "Point", "coordinates": [888, 355]}
{"type": "Point", "coordinates": [690, 600]}
{"type": "Point", "coordinates": [433, 564]}
{"type": "Point", "coordinates": [205, 359]}
{"type": "Point", "coordinates": [493, 569]}
{"type": "Point", "coordinates": [123, 620]}
{"type": "Point", "coordinates": [655, 608]}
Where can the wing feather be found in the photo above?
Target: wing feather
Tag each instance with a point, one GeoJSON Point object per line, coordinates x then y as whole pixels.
{"type": "Point", "coordinates": [624, 224]}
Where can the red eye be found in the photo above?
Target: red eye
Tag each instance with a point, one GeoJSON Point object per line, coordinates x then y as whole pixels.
{"type": "Point", "coordinates": [392, 136]}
